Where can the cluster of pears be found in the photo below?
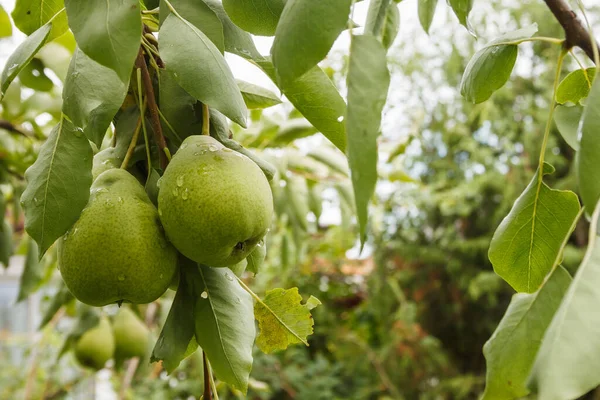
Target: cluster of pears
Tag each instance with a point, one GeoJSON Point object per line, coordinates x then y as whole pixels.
{"type": "Point", "coordinates": [127, 337]}
{"type": "Point", "coordinates": [214, 206]}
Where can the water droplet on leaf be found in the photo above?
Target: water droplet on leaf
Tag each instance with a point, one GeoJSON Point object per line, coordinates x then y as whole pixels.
{"type": "Point", "coordinates": [212, 148]}
{"type": "Point", "coordinates": [204, 295]}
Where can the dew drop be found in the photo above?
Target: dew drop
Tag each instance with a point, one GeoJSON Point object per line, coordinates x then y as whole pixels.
{"type": "Point", "coordinates": [204, 295]}
{"type": "Point", "coordinates": [159, 182]}
{"type": "Point", "coordinates": [237, 299]}
{"type": "Point", "coordinates": [121, 278]}
{"type": "Point", "coordinates": [184, 194]}
{"type": "Point", "coordinates": [341, 118]}
{"type": "Point", "coordinates": [212, 148]}
{"type": "Point", "coordinates": [176, 192]}
{"type": "Point", "coordinates": [183, 146]}
{"type": "Point", "coordinates": [108, 203]}
{"type": "Point", "coordinates": [105, 162]}
{"type": "Point", "coordinates": [159, 212]}
{"type": "Point", "coordinates": [180, 180]}
{"type": "Point", "coordinates": [226, 150]}
{"type": "Point", "coordinates": [35, 201]}
{"type": "Point", "coordinates": [229, 278]}
{"type": "Point", "coordinates": [78, 132]}
{"type": "Point", "coordinates": [120, 200]}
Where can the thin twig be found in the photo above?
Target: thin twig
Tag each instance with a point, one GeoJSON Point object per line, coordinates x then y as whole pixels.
{"type": "Point", "coordinates": [205, 120]}
{"type": "Point", "coordinates": [134, 139]}
{"type": "Point", "coordinates": [9, 126]}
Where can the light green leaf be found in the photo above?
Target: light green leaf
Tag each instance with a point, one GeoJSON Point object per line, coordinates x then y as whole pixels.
{"type": "Point", "coordinates": [333, 158]}
{"type": "Point", "coordinates": [21, 56]}
{"type": "Point", "coordinates": [283, 320]}
{"type": "Point", "coordinates": [426, 13]}
{"type": "Point", "coordinates": [305, 34]}
{"type": "Point", "coordinates": [317, 99]}
{"type": "Point", "coordinates": [92, 96]}
{"type": "Point", "coordinates": [461, 9]}
{"type": "Point", "coordinates": [258, 17]}
{"type": "Point", "coordinates": [391, 26]}
{"type": "Point", "coordinates": [109, 32]}
{"type": "Point", "coordinates": [59, 299]}
{"type": "Point", "coordinates": [195, 62]}
{"type": "Point", "coordinates": [33, 272]}
{"type": "Point", "coordinates": [489, 69]}
{"type": "Point", "coordinates": [34, 77]}
{"type": "Point", "coordinates": [566, 366]}
{"type": "Point", "coordinates": [291, 130]}
{"type": "Point", "coordinates": [589, 162]}
{"type": "Point", "coordinates": [6, 243]}
{"type": "Point", "coordinates": [297, 196]}
{"type": "Point", "coordinates": [575, 86]}
{"type": "Point", "coordinates": [512, 349]}
{"type": "Point", "coordinates": [527, 242]}
{"type": "Point", "coordinates": [376, 17]}
{"type": "Point", "coordinates": [368, 82]}
{"type": "Point", "coordinates": [237, 41]}
{"type": "Point", "coordinates": [567, 121]}
{"type": "Point", "coordinates": [5, 24]}
{"type": "Point", "coordinates": [224, 325]}
{"type": "Point", "coordinates": [257, 257]}
{"type": "Point", "coordinates": [31, 15]}
{"type": "Point", "coordinates": [200, 15]}
{"type": "Point", "coordinates": [58, 185]}
{"type": "Point", "coordinates": [257, 97]}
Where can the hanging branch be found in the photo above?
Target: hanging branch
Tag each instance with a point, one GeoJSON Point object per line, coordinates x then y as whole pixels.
{"type": "Point", "coordinates": [576, 34]}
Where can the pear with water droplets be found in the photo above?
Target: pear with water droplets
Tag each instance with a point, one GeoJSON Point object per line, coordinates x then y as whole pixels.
{"type": "Point", "coordinates": [214, 203]}
{"type": "Point", "coordinates": [117, 250]}
{"type": "Point", "coordinates": [131, 335]}
{"type": "Point", "coordinates": [96, 346]}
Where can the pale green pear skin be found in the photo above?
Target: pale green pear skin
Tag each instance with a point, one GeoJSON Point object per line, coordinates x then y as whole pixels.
{"type": "Point", "coordinates": [131, 335]}
{"type": "Point", "coordinates": [96, 346]}
{"type": "Point", "coordinates": [214, 203]}
{"type": "Point", "coordinates": [117, 250]}
{"type": "Point", "coordinates": [103, 161]}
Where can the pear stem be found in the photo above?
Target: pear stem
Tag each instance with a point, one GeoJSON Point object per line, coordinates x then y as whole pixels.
{"type": "Point", "coordinates": [205, 120]}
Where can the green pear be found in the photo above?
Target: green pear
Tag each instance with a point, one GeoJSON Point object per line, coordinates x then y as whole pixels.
{"type": "Point", "coordinates": [105, 160]}
{"type": "Point", "coordinates": [96, 346]}
{"type": "Point", "coordinates": [214, 203]}
{"type": "Point", "coordinates": [131, 335]}
{"type": "Point", "coordinates": [117, 250]}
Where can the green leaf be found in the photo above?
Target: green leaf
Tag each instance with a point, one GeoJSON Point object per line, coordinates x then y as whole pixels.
{"type": "Point", "coordinates": [199, 68]}
{"type": "Point", "coordinates": [589, 162]}
{"type": "Point", "coordinates": [512, 349]}
{"type": "Point", "coordinates": [529, 239]}
{"type": "Point", "coordinates": [566, 365]}
{"type": "Point", "coordinates": [21, 57]}
{"type": "Point", "coordinates": [333, 158]}
{"type": "Point", "coordinates": [5, 25]}
{"type": "Point", "coordinates": [317, 99]}
{"type": "Point", "coordinates": [305, 34]}
{"type": "Point", "coordinates": [33, 272]}
{"type": "Point", "coordinates": [376, 17]}
{"type": "Point", "coordinates": [291, 130]}
{"type": "Point", "coordinates": [391, 26]}
{"type": "Point", "coordinates": [426, 13]}
{"type": "Point", "coordinates": [257, 97]}
{"type": "Point", "coordinates": [34, 77]}
{"type": "Point", "coordinates": [178, 108]}
{"type": "Point", "coordinates": [200, 15]}
{"type": "Point", "coordinates": [297, 195]}
{"type": "Point", "coordinates": [575, 86]}
{"type": "Point", "coordinates": [178, 331]}
{"type": "Point", "coordinates": [283, 320]}
{"type": "Point", "coordinates": [489, 69]}
{"type": "Point", "coordinates": [152, 186]}
{"type": "Point", "coordinates": [109, 32]}
{"type": "Point", "coordinates": [92, 96]}
{"type": "Point", "coordinates": [237, 41]}
{"type": "Point", "coordinates": [59, 299]}
{"type": "Point", "coordinates": [31, 15]}
{"type": "Point", "coordinates": [258, 17]}
{"type": "Point", "coordinates": [567, 121]}
{"type": "Point", "coordinates": [461, 9]}
{"type": "Point", "coordinates": [6, 243]}
{"type": "Point", "coordinates": [224, 325]}
{"type": "Point", "coordinates": [58, 185]}
{"type": "Point", "coordinates": [257, 257]}
{"type": "Point", "coordinates": [368, 82]}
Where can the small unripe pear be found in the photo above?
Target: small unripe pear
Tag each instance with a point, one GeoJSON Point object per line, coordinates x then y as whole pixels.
{"type": "Point", "coordinates": [131, 335]}
{"type": "Point", "coordinates": [96, 346]}
{"type": "Point", "coordinates": [214, 203]}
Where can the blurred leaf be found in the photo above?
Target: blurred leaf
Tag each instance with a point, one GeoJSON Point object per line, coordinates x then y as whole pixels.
{"type": "Point", "coordinates": [194, 60]}
{"type": "Point", "coordinates": [92, 96]}
{"type": "Point", "coordinates": [291, 130]}
{"type": "Point", "coordinates": [257, 257]}
{"type": "Point", "coordinates": [305, 34]}
{"type": "Point", "coordinates": [391, 26]}
{"type": "Point", "coordinates": [426, 13]}
{"type": "Point", "coordinates": [224, 325]}
{"type": "Point", "coordinates": [33, 272]}
{"type": "Point", "coordinates": [200, 15]}
{"type": "Point", "coordinates": [6, 243]}
{"type": "Point", "coordinates": [530, 238]}
{"type": "Point", "coordinates": [297, 198]}
{"type": "Point", "coordinates": [589, 162]}
{"type": "Point", "coordinates": [33, 76]}
{"type": "Point", "coordinates": [58, 185]}
{"type": "Point", "coordinates": [257, 97]}
{"type": "Point", "coordinates": [258, 17]}
{"type": "Point", "coordinates": [575, 86]}
{"type": "Point", "coordinates": [31, 15]}
{"type": "Point", "coordinates": [489, 69]}
{"type": "Point", "coordinates": [567, 121]}
{"type": "Point", "coordinates": [378, 9]}
{"type": "Point", "coordinates": [88, 318]}
{"type": "Point", "coordinates": [461, 9]}
{"type": "Point", "coordinates": [333, 158]}
{"type": "Point", "coordinates": [283, 320]}
{"type": "Point", "coordinates": [109, 32]}
{"type": "Point", "coordinates": [315, 200]}
{"type": "Point", "coordinates": [512, 349]}
{"type": "Point", "coordinates": [67, 40]}
{"type": "Point", "coordinates": [368, 82]}
{"type": "Point", "coordinates": [61, 298]}
{"type": "Point", "coordinates": [566, 366]}
{"type": "Point", "coordinates": [21, 57]}
{"type": "Point", "coordinates": [5, 25]}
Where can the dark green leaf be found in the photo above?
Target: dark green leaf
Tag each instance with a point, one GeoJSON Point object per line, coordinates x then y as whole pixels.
{"type": "Point", "coordinates": [33, 76]}
{"type": "Point", "coordinates": [368, 82]}
{"type": "Point", "coordinates": [33, 272]}
{"type": "Point", "coordinates": [200, 15]}
{"type": "Point", "coordinates": [575, 86]}
{"type": "Point", "coordinates": [567, 121]}
{"type": "Point", "coordinates": [6, 243]}
{"type": "Point", "coordinates": [109, 32]}
{"type": "Point", "coordinates": [257, 257]}
{"type": "Point", "coordinates": [92, 96]}
{"type": "Point", "coordinates": [302, 39]}
{"type": "Point", "coordinates": [489, 69]}
{"type": "Point", "coordinates": [152, 186]}
{"type": "Point", "coordinates": [31, 15]}
{"type": "Point", "coordinates": [225, 325]}
{"type": "Point", "coordinates": [58, 185]}
{"type": "Point", "coordinates": [178, 108]}
{"type": "Point", "coordinates": [257, 97]}
{"type": "Point", "coordinates": [258, 17]}
{"type": "Point", "coordinates": [527, 243]}
{"type": "Point", "coordinates": [5, 25]}
{"type": "Point", "coordinates": [391, 26]}
{"type": "Point", "coordinates": [512, 349]}
{"type": "Point", "coordinates": [589, 162]}
{"type": "Point", "coordinates": [59, 299]}
{"type": "Point", "coordinates": [22, 55]}
{"type": "Point", "coordinates": [462, 8]}
{"type": "Point", "coordinates": [426, 13]}
{"type": "Point", "coordinates": [199, 67]}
